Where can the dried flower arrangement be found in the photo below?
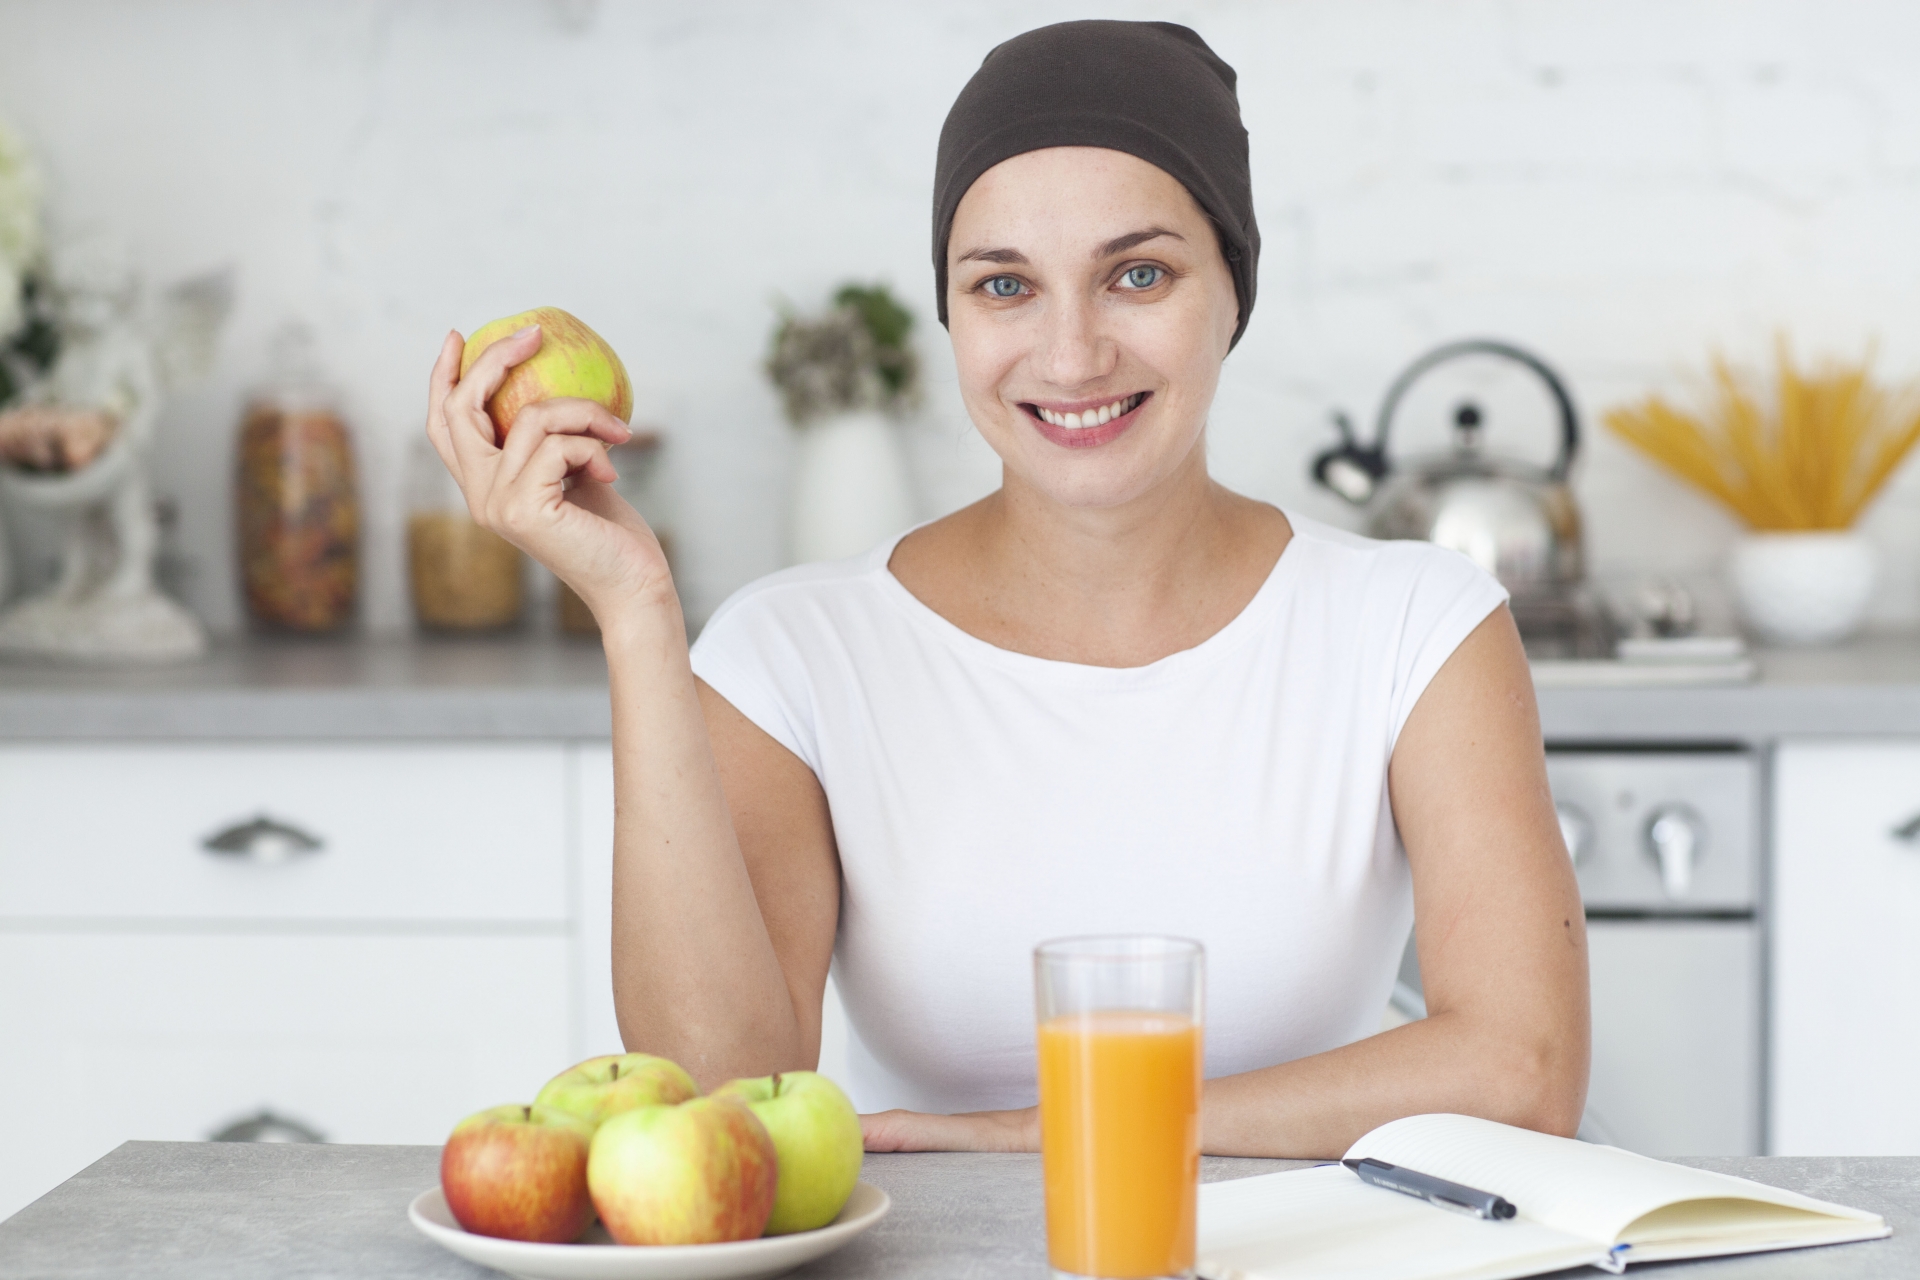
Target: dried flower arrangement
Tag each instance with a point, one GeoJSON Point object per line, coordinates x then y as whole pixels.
{"type": "Point", "coordinates": [29, 338]}
{"type": "Point", "coordinates": [1811, 459]}
{"type": "Point", "coordinates": [854, 357]}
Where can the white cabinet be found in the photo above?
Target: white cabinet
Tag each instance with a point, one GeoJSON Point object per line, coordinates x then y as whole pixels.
{"type": "Point", "coordinates": [1846, 949]}
{"type": "Point", "coordinates": [416, 949]}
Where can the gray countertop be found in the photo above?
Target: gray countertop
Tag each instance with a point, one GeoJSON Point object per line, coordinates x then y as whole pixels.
{"type": "Point", "coordinates": [554, 688]}
{"type": "Point", "coordinates": [208, 1211]}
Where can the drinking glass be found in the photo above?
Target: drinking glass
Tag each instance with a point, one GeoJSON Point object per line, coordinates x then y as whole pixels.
{"type": "Point", "coordinates": [1120, 1054]}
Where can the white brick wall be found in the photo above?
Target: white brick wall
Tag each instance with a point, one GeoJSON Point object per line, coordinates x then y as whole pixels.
{"type": "Point", "coordinates": [1620, 184]}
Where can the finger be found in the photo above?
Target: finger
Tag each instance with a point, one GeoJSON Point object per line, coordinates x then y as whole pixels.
{"type": "Point", "coordinates": [446, 372]}
{"type": "Point", "coordinates": [466, 407]}
{"type": "Point", "coordinates": [564, 416]}
{"type": "Point", "coordinates": [518, 501]}
{"type": "Point", "coordinates": [488, 371]}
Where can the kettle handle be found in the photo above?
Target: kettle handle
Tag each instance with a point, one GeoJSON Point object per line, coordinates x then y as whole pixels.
{"type": "Point", "coordinates": [1569, 425]}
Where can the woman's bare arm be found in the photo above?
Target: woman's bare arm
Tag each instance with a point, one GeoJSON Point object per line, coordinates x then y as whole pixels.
{"type": "Point", "coordinates": [699, 971]}
{"type": "Point", "coordinates": [723, 915]}
{"type": "Point", "coordinates": [1502, 941]}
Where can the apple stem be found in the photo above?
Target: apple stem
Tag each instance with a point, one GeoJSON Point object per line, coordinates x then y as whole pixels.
{"type": "Point", "coordinates": [616, 1072]}
{"type": "Point", "coordinates": [776, 1084]}
{"type": "Point", "coordinates": [528, 1110]}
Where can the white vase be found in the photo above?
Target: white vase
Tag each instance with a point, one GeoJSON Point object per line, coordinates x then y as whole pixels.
{"type": "Point", "coordinates": [1804, 588]}
{"type": "Point", "coordinates": [850, 487]}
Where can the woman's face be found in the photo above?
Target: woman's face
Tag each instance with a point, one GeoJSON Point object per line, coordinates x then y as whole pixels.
{"type": "Point", "coordinates": [1090, 308]}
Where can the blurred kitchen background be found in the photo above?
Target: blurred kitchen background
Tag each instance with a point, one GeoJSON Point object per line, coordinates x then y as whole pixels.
{"type": "Point", "coordinates": [226, 908]}
{"type": "Point", "coordinates": [1623, 187]}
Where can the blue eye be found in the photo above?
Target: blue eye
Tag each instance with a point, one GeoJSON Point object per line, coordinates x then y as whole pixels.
{"type": "Point", "coordinates": [1142, 277]}
{"type": "Point", "coordinates": [1003, 287]}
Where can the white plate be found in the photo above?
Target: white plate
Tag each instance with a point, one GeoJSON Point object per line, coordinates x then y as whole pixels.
{"type": "Point", "coordinates": [596, 1257]}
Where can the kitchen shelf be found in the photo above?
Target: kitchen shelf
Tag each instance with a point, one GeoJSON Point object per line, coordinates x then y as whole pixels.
{"type": "Point", "coordinates": [550, 688]}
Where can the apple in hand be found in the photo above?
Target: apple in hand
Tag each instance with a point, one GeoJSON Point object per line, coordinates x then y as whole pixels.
{"type": "Point", "coordinates": [817, 1134]}
{"type": "Point", "coordinates": [616, 1082]}
{"type": "Point", "coordinates": [572, 360]}
{"type": "Point", "coordinates": [701, 1172]}
{"type": "Point", "coordinates": [520, 1173]}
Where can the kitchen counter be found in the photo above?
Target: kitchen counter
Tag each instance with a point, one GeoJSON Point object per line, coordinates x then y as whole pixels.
{"type": "Point", "coordinates": [555, 688]}
{"type": "Point", "coordinates": [206, 1211]}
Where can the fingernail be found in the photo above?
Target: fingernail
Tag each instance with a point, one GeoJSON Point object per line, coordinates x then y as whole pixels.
{"type": "Point", "coordinates": [532, 328]}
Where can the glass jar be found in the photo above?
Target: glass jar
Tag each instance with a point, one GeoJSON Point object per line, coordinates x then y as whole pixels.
{"type": "Point", "coordinates": [463, 577]}
{"type": "Point", "coordinates": [642, 483]}
{"type": "Point", "coordinates": [297, 507]}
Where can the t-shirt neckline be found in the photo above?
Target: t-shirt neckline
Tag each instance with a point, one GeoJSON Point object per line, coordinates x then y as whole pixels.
{"type": "Point", "coordinates": [1242, 625]}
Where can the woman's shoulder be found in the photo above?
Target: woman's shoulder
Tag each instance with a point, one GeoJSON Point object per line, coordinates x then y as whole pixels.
{"type": "Point", "coordinates": [800, 594]}
{"type": "Point", "coordinates": [1354, 560]}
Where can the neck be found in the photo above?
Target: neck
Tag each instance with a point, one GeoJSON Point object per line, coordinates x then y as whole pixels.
{"type": "Point", "coordinates": [1134, 554]}
{"type": "Point", "coordinates": [1118, 586]}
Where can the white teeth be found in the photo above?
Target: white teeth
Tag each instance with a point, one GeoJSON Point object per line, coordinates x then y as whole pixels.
{"type": "Point", "coordinates": [1092, 417]}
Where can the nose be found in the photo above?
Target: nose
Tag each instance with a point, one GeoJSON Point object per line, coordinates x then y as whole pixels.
{"type": "Point", "coordinates": [1073, 350]}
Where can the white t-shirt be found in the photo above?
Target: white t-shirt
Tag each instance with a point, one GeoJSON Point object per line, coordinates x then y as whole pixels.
{"type": "Point", "coordinates": [984, 801]}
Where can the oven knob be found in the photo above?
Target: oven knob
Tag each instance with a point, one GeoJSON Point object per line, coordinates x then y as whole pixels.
{"type": "Point", "coordinates": [1576, 828]}
{"type": "Point", "coordinates": [1675, 835]}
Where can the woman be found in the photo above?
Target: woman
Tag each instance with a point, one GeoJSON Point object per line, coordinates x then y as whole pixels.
{"type": "Point", "coordinates": [1112, 696]}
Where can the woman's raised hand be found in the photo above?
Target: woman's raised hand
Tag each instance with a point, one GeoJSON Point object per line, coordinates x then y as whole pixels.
{"type": "Point", "coordinates": [547, 489]}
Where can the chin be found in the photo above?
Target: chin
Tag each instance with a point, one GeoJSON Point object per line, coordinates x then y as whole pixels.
{"type": "Point", "coordinates": [1111, 475]}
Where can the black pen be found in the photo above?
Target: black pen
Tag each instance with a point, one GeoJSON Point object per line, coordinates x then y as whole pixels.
{"type": "Point", "coordinates": [1435, 1191]}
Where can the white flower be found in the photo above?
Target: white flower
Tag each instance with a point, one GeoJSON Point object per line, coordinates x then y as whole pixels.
{"type": "Point", "coordinates": [20, 240]}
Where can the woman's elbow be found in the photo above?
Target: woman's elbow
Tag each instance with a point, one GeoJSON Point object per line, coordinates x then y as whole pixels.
{"type": "Point", "coordinates": [1547, 1084]}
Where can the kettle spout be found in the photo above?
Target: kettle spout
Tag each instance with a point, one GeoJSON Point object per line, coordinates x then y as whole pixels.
{"type": "Point", "coordinates": [1350, 469]}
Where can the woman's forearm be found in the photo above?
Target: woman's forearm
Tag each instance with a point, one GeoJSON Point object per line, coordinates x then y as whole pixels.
{"type": "Point", "coordinates": [1317, 1107]}
{"type": "Point", "coordinates": [695, 975]}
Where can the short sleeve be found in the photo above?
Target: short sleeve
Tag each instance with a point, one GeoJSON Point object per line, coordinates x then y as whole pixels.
{"type": "Point", "coordinates": [750, 656]}
{"type": "Point", "coordinates": [1447, 596]}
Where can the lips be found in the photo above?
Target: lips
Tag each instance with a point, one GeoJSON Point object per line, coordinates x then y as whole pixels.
{"type": "Point", "coordinates": [1090, 426]}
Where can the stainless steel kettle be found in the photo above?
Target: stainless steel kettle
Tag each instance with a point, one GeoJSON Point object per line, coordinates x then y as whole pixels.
{"type": "Point", "coordinates": [1515, 520]}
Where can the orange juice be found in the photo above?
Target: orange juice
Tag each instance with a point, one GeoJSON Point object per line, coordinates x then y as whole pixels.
{"type": "Point", "coordinates": [1120, 1141]}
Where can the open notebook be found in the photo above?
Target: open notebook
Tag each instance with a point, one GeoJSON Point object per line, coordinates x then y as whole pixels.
{"type": "Point", "coordinates": [1579, 1205]}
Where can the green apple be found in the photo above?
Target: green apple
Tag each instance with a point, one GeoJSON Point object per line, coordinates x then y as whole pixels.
{"type": "Point", "coordinates": [616, 1082]}
{"type": "Point", "coordinates": [700, 1172]}
{"type": "Point", "coordinates": [572, 360]}
{"type": "Point", "coordinates": [817, 1133]}
{"type": "Point", "coordinates": [519, 1172]}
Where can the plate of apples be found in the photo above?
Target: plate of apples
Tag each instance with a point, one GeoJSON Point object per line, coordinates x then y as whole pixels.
{"type": "Point", "coordinates": [621, 1170]}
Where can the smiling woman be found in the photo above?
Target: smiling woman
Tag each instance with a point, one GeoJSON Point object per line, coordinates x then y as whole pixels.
{"type": "Point", "coordinates": [1112, 696]}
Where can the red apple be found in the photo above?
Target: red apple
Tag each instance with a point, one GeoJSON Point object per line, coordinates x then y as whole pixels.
{"type": "Point", "coordinates": [616, 1082]}
{"type": "Point", "coordinates": [519, 1172]}
{"type": "Point", "coordinates": [701, 1172]}
{"type": "Point", "coordinates": [572, 360]}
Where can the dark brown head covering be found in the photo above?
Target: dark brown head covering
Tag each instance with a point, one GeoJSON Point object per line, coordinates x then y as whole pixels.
{"type": "Point", "coordinates": [1151, 89]}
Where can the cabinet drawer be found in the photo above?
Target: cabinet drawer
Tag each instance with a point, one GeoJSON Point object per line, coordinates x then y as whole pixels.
{"type": "Point", "coordinates": [365, 1039]}
{"type": "Point", "coordinates": [426, 832]}
{"type": "Point", "coordinates": [1846, 968]}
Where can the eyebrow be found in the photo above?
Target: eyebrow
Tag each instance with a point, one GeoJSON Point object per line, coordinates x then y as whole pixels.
{"type": "Point", "coordinates": [1119, 244]}
{"type": "Point", "coordinates": [1005, 257]}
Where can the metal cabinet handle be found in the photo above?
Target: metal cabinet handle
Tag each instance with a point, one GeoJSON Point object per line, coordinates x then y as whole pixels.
{"type": "Point", "coordinates": [1909, 830]}
{"type": "Point", "coordinates": [262, 840]}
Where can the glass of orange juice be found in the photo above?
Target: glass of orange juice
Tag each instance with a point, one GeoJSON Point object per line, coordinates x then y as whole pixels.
{"type": "Point", "coordinates": [1120, 1055]}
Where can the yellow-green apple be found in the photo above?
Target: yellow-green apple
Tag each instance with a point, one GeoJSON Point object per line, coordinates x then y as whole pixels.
{"type": "Point", "coordinates": [700, 1172]}
{"type": "Point", "coordinates": [572, 360]}
{"type": "Point", "coordinates": [519, 1172]}
{"type": "Point", "coordinates": [616, 1082]}
{"type": "Point", "coordinates": [817, 1134]}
